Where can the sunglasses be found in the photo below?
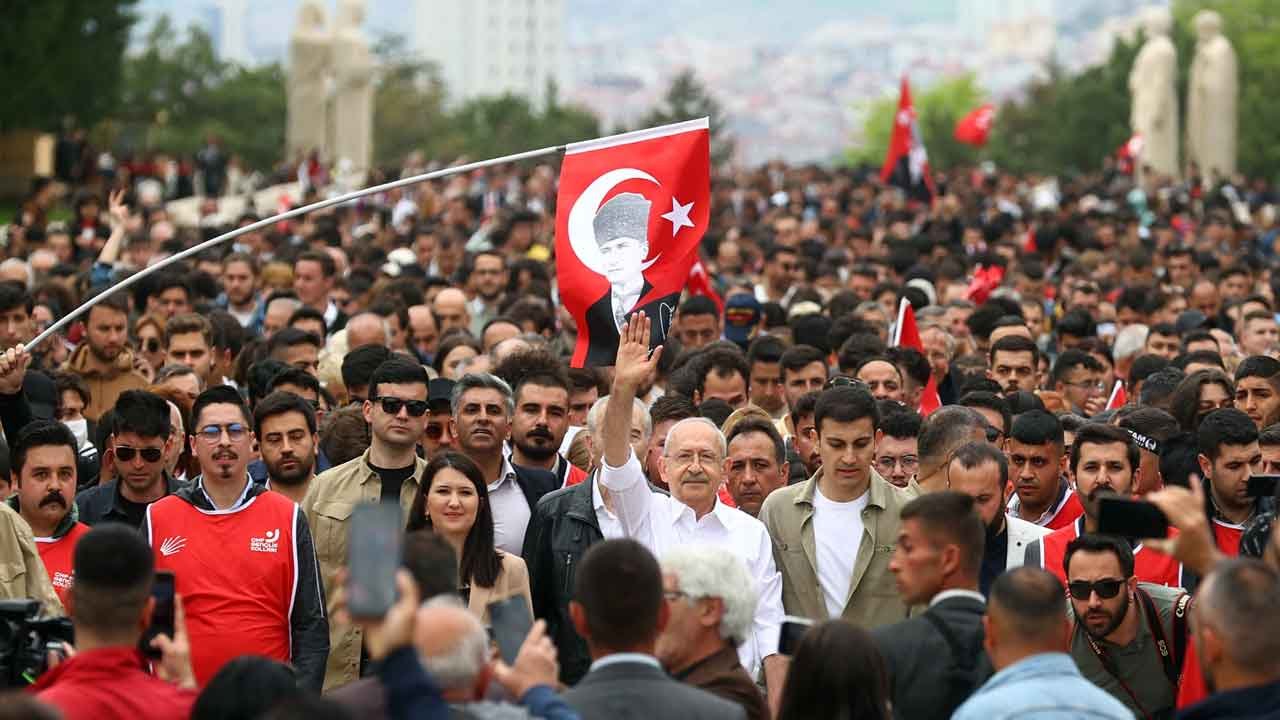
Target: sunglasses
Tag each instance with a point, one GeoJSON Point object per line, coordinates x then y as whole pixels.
{"type": "Point", "coordinates": [1083, 589]}
{"type": "Point", "coordinates": [392, 405]}
{"type": "Point", "coordinates": [151, 345]}
{"type": "Point", "coordinates": [434, 432]}
{"type": "Point", "coordinates": [124, 453]}
{"type": "Point", "coordinates": [213, 433]}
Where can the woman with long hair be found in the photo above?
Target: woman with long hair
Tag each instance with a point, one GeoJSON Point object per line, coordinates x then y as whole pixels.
{"type": "Point", "coordinates": [453, 500]}
{"type": "Point", "coordinates": [837, 673]}
{"type": "Point", "coordinates": [1199, 394]}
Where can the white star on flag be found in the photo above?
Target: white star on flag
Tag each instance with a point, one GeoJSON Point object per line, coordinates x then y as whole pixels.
{"type": "Point", "coordinates": [679, 215]}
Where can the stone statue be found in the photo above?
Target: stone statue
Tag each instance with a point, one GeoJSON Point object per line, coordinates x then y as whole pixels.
{"type": "Point", "coordinates": [307, 81]}
{"type": "Point", "coordinates": [1152, 87]}
{"type": "Point", "coordinates": [1211, 100]}
{"type": "Point", "coordinates": [351, 126]}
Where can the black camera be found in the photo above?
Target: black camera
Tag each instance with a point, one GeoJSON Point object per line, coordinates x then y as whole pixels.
{"type": "Point", "coordinates": [27, 642]}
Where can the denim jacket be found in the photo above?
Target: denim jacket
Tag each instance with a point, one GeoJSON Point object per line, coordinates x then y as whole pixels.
{"type": "Point", "coordinates": [1048, 685]}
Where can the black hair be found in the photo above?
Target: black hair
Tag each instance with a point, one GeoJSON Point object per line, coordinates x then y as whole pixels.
{"type": "Point", "coordinates": [1037, 427]}
{"type": "Point", "coordinates": [953, 515]}
{"type": "Point", "coordinates": [858, 347]}
{"type": "Point", "coordinates": [1023, 401]}
{"type": "Point", "coordinates": [246, 687]}
{"type": "Point", "coordinates": [262, 374]}
{"type": "Point", "coordinates": [715, 410]}
{"type": "Point", "coordinates": [1199, 336]}
{"type": "Point", "coordinates": [218, 395]}
{"type": "Point", "coordinates": [279, 403]}
{"type": "Point", "coordinates": [765, 427]}
{"type": "Point", "coordinates": [901, 424]}
{"type": "Point", "coordinates": [1225, 426]}
{"type": "Point", "coordinates": [41, 433]}
{"type": "Point", "coordinates": [1017, 344]}
{"type": "Point", "coordinates": [1095, 543]}
{"type": "Point", "coordinates": [13, 295]}
{"type": "Point", "coordinates": [306, 312]}
{"type": "Point", "coordinates": [433, 563]}
{"type": "Point", "coordinates": [1184, 403]}
{"type": "Point", "coordinates": [974, 454]}
{"type": "Point", "coordinates": [1260, 366]}
{"type": "Point", "coordinates": [911, 362]}
{"type": "Point", "coordinates": [397, 369]}
{"type": "Point", "coordinates": [837, 672]}
{"type": "Point", "coordinates": [287, 337]}
{"type": "Point", "coordinates": [1144, 366]}
{"type": "Point", "coordinates": [671, 407]}
{"type": "Point", "coordinates": [766, 349]}
{"type": "Point", "coordinates": [619, 587]}
{"type": "Point", "coordinates": [798, 357]}
{"type": "Point", "coordinates": [480, 563]}
{"type": "Point", "coordinates": [1096, 433]}
{"type": "Point", "coordinates": [1199, 356]}
{"type": "Point", "coordinates": [846, 404]}
{"type": "Point", "coordinates": [114, 569]}
{"type": "Point", "coordinates": [1031, 601]}
{"type": "Point", "coordinates": [1270, 435]}
{"type": "Point", "coordinates": [698, 305]}
{"type": "Point", "coordinates": [327, 267]}
{"type": "Point", "coordinates": [990, 401]}
{"type": "Point", "coordinates": [813, 329]}
{"type": "Point", "coordinates": [724, 362]}
{"type": "Point", "coordinates": [1072, 359]}
{"type": "Point", "coordinates": [533, 366]}
{"type": "Point", "coordinates": [944, 430]}
{"type": "Point", "coordinates": [806, 404]}
{"type": "Point", "coordinates": [1158, 388]}
{"type": "Point", "coordinates": [359, 364]}
{"type": "Point", "coordinates": [295, 376]}
{"type": "Point", "coordinates": [1152, 422]}
{"type": "Point", "coordinates": [143, 413]}
{"type": "Point", "coordinates": [1077, 323]}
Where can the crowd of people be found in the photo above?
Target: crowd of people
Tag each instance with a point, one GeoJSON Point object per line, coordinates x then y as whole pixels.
{"type": "Point", "coordinates": [763, 517]}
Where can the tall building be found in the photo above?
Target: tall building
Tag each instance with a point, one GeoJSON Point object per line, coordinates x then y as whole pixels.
{"type": "Point", "coordinates": [230, 39]}
{"type": "Point", "coordinates": [493, 47]}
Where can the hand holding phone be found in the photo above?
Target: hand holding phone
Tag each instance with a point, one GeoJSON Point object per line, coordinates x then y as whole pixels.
{"type": "Point", "coordinates": [1131, 518]}
{"type": "Point", "coordinates": [163, 589]}
{"type": "Point", "coordinates": [509, 624]}
{"type": "Point", "coordinates": [791, 632]}
{"type": "Point", "coordinates": [373, 555]}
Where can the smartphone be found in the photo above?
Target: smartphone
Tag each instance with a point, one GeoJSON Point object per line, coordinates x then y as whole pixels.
{"type": "Point", "coordinates": [1262, 485]}
{"type": "Point", "coordinates": [374, 550]}
{"type": "Point", "coordinates": [793, 629]}
{"type": "Point", "coordinates": [1131, 518]}
{"type": "Point", "coordinates": [509, 624]}
{"type": "Point", "coordinates": [162, 622]}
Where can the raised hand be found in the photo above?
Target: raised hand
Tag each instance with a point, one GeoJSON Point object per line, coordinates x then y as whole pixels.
{"type": "Point", "coordinates": [117, 210]}
{"type": "Point", "coordinates": [13, 368]}
{"type": "Point", "coordinates": [634, 364]}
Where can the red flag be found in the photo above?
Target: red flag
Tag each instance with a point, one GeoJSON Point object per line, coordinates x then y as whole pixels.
{"type": "Point", "coordinates": [906, 165]}
{"type": "Point", "coordinates": [629, 215]}
{"type": "Point", "coordinates": [1127, 154]}
{"type": "Point", "coordinates": [1118, 397]}
{"type": "Point", "coordinates": [907, 334]}
{"type": "Point", "coordinates": [975, 128]}
{"type": "Point", "coordinates": [700, 284]}
{"type": "Point", "coordinates": [985, 281]}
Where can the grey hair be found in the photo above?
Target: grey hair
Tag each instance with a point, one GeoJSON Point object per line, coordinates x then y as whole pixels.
{"type": "Point", "coordinates": [595, 416]}
{"type": "Point", "coordinates": [706, 571]}
{"type": "Point", "coordinates": [458, 668]}
{"type": "Point", "coordinates": [26, 268]}
{"type": "Point", "coordinates": [946, 429]}
{"type": "Point", "coordinates": [948, 339]}
{"type": "Point", "coordinates": [486, 381]}
{"type": "Point", "coordinates": [173, 370]}
{"type": "Point", "coordinates": [1131, 340]}
{"type": "Point", "coordinates": [724, 447]}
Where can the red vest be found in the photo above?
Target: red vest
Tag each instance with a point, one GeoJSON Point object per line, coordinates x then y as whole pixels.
{"type": "Point", "coordinates": [1149, 566]}
{"type": "Point", "coordinates": [1068, 512]}
{"type": "Point", "coordinates": [237, 572]}
{"type": "Point", "coordinates": [57, 554]}
{"type": "Point", "coordinates": [1228, 537]}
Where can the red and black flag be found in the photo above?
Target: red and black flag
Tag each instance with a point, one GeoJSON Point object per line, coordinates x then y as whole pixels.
{"type": "Point", "coordinates": [629, 215]}
{"type": "Point", "coordinates": [906, 165]}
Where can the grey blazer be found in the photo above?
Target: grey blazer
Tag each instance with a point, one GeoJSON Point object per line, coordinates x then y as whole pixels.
{"type": "Point", "coordinates": [629, 690]}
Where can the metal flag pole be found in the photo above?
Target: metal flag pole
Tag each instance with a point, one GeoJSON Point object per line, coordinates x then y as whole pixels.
{"type": "Point", "coordinates": [83, 308]}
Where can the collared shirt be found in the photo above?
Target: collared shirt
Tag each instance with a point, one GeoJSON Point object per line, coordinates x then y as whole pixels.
{"type": "Point", "coordinates": [244, 494]}
{"type": "Point", "coordinates": [610, 528]}
{"type": "Point", "coordinates": [510, 511]}
{"type": "Point", "coordinates": [626, 657]}
{"type": "Point", "coordinates": [661, 523]}
{"type": "Point", "coordinates": [957, 592]}
{"type": "Point", "coordinates": [1047, 686]}
{"type": "Point", "coordinates": [1064, 495]}
{"type": "Point", "coordinates": [331, 313]}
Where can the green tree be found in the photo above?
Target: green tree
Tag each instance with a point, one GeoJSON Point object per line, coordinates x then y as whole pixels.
{"type": "Point", "coordinates": [60, 58]}
{"type": "Point", "coordinates": [937, 110]}
{"type": "Point", "coordinates": [686, 99]}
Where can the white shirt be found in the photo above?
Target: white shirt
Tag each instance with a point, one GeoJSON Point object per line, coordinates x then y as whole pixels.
{"type": "Point", "coordinates": [610, 528]}
{"type": "Point", "coordinates": [510, 511]}
{"type": "Point", "coordinates": [947, 594]}
{"type": "Point", "coordinates": [661, 523]}
{"type": "Point", "coordinates": [837, 535]}
{"type": "Point", "coordinates": [330, 315]}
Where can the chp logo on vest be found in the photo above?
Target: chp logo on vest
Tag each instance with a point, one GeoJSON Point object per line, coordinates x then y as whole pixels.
{"type": "Point", "coordinates": [268, 543]}
{"type": "Point", "coordinates": [172, 545]}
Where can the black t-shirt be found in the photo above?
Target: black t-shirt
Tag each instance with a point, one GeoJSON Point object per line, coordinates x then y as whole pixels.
{"type": "Point", "coordinates": [133, 511]}
{"type": "Point", "coordinates": [994, 558]}
{"type": "Point", "coordinates": [392, 480]}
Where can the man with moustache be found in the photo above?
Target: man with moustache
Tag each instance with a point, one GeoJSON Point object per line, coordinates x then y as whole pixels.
{"type": "Point", "coordinates": [242, 556]}
{"type": "Point", "coordinates": [43, 468]}
{"type": "Point", "coordinates": [285, 426]}
{"type": "Point", "coordinates": [1129, 637]}
{"type": "Point", "coordinates": [757, 463]}
{"type": "Point", "coordinates": [1104, 460]}
{"type": "Point", "coordinates": [542, 390]}
{"type": "Point", "coordinates": [104, 359]}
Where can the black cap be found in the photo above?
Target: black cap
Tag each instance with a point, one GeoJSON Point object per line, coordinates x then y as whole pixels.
{"type": "Point", "coordinates": [439, 392]}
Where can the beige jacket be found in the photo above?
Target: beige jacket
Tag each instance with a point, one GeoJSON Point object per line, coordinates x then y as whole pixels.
{"type": "Point", "coordinates": [332, 496]}
{"type": "Point", "coordinates": [22, 574]}
{"type": "Point", "coordinates": [873, 597]}
{"type": "Point", "coordinates": [105, 380]}
{"type": "Point", "coordinates": [512, 580]}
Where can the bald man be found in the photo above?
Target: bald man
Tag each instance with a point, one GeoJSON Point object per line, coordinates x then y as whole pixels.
{"type": "Point", "coordinates": [450, 310]}
{"type": "Point", "coordinates": [367, 328]}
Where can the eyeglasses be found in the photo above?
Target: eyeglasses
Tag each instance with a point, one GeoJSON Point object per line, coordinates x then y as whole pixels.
{"type": "Point", "coordinates": [908, 463]}
{"type": "Point", "coordinates": [844, 381]}
{"type": "Point", "coordinates": [124, 453]}
{"type": "Point", "coordinates": [1083, 589]}
{"type": "Point", "coordinates": [392, 405]}
{"type": "Point", "coordinates": [213, 433]}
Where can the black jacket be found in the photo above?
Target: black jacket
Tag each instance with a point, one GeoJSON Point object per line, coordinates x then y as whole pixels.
{"type": "Point", "coordinates": [308, 625]}
{"type": "Point", "coordinates": [927, 679]}
{"type": "Point", "coordinates": [561, 529]}
{"type": "Point", "coordinates": [603, 329]}
{"type": "Point", "coordinates": [1261, 702]}
{"type": "Point", "coordinates": [534, 483]}
{"type": "Point", "coordinates": [626, 690]}
{"type": "Point", "coordinates": [102, 502]}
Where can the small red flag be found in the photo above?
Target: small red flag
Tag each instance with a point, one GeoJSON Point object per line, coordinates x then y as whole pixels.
{"type": "Point", "coordinates": [985, 281]}
{"type": "Point", "coordinates": [930, 400]}
{"type": "Point", "coordinates": [975, 128]}
{"type": "Point", "coordinates": [907, 334]}
{"type": "Point", "coordinates": [700, 284]}
{"type": "Point", "coordinates": [906, 164]}
{"type": "Point", "coordinates": [1118, 397]}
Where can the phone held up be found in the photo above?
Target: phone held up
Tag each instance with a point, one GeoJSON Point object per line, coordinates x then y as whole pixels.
{"type": "Point", "coordinates": [374, 551]}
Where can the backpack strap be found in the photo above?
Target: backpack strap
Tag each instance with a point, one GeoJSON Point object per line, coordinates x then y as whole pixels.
{"type": "Point", "coordinates": [1180, 608]}
{"type": "Point", "coordinates": [1171, 671]}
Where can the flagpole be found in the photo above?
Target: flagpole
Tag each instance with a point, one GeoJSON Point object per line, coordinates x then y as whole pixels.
{"type": "Point", "coordinates": [355, 195]}
{"type": "Point", "coordinates": [897, 328]}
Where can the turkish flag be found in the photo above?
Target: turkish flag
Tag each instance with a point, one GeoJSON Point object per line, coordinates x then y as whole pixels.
{"type": "Point", "coordinates": [629, 215]}
{"type": "Point", "coordinates": [975, 128]}
{"type": "Point", "coordinates": [907, 334]}
{"type": "Point", "coordinates": [906, 165]}
{"type": "Point", "coordinates": [700, 284]}
{"type": "Point", "coordinates": [1118, 397]}
{"type": "Point", "coordinates": [985, 281]}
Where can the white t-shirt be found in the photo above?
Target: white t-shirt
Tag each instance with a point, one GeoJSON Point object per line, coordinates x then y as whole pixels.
{"type": "Point", "coordinates": [837, 535]}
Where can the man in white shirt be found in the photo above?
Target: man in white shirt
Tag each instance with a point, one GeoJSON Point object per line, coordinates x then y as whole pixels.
{"type": "Point", "coordinates": [693, 465]}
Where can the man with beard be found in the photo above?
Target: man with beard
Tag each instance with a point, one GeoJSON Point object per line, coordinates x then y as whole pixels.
{"type": "Point", "coordinates": [43, 468]}
{"type": "Point", "coordinates": [757, 463]}
{"type": "Point", "coordinates": [1014, 364]}
{"type": "Point", "coordinates": [541, 416]}
{"type": "Point", "coordinates": [142, 438]}
{"type": "Point", "coordinates": [104, 359]}
{"type": "Point", "coordinates": [487, 280]}
{"type": "Point", "coordinates": [482, 410]}
{"type": "Point", "coordinates": [764, 357]}
{"type": "Point", "coordinates": [285, 426]}
{"type": "Point", "coordinates": [1229, 456]}
{"type": "Point", "coordinates": [242, 557]}
{"type": "Point", "coordinates": [981, 471]}
{"type": "Point", "coordinates": [240, 285]}
{"type": "Point", "coordinates": [1129, 636]}
{"type": "Point", "coordinates": [1104, 459]}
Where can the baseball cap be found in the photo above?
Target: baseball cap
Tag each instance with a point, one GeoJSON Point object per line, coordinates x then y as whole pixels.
{"type": "Point", "coordinates": [1190, 320]}
{"type": "Point", "coordinates": [439, 393]}
{"type": "Point", "coordinates": [741, 317]}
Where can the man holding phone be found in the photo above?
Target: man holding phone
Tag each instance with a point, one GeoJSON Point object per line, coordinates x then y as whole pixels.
{"type": "Point", "coordinates": [1229, 456]}
{"type": "Point", "coordinates": [242, 555]}
{"type": "Point", "coordinates": [1103, 462]}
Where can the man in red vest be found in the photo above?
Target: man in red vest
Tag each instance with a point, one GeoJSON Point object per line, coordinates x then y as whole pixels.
{"type": "Point", "coordinates": [1040, 493]}
{"type": "Point", "coordinates": [43, 466]}
{"type": "Point", "coordinates": [1103, 461]}
{"type": "Point", "coordinates": [242, 555]}
{"type": "Point", "coordinates": [1229, 455]}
